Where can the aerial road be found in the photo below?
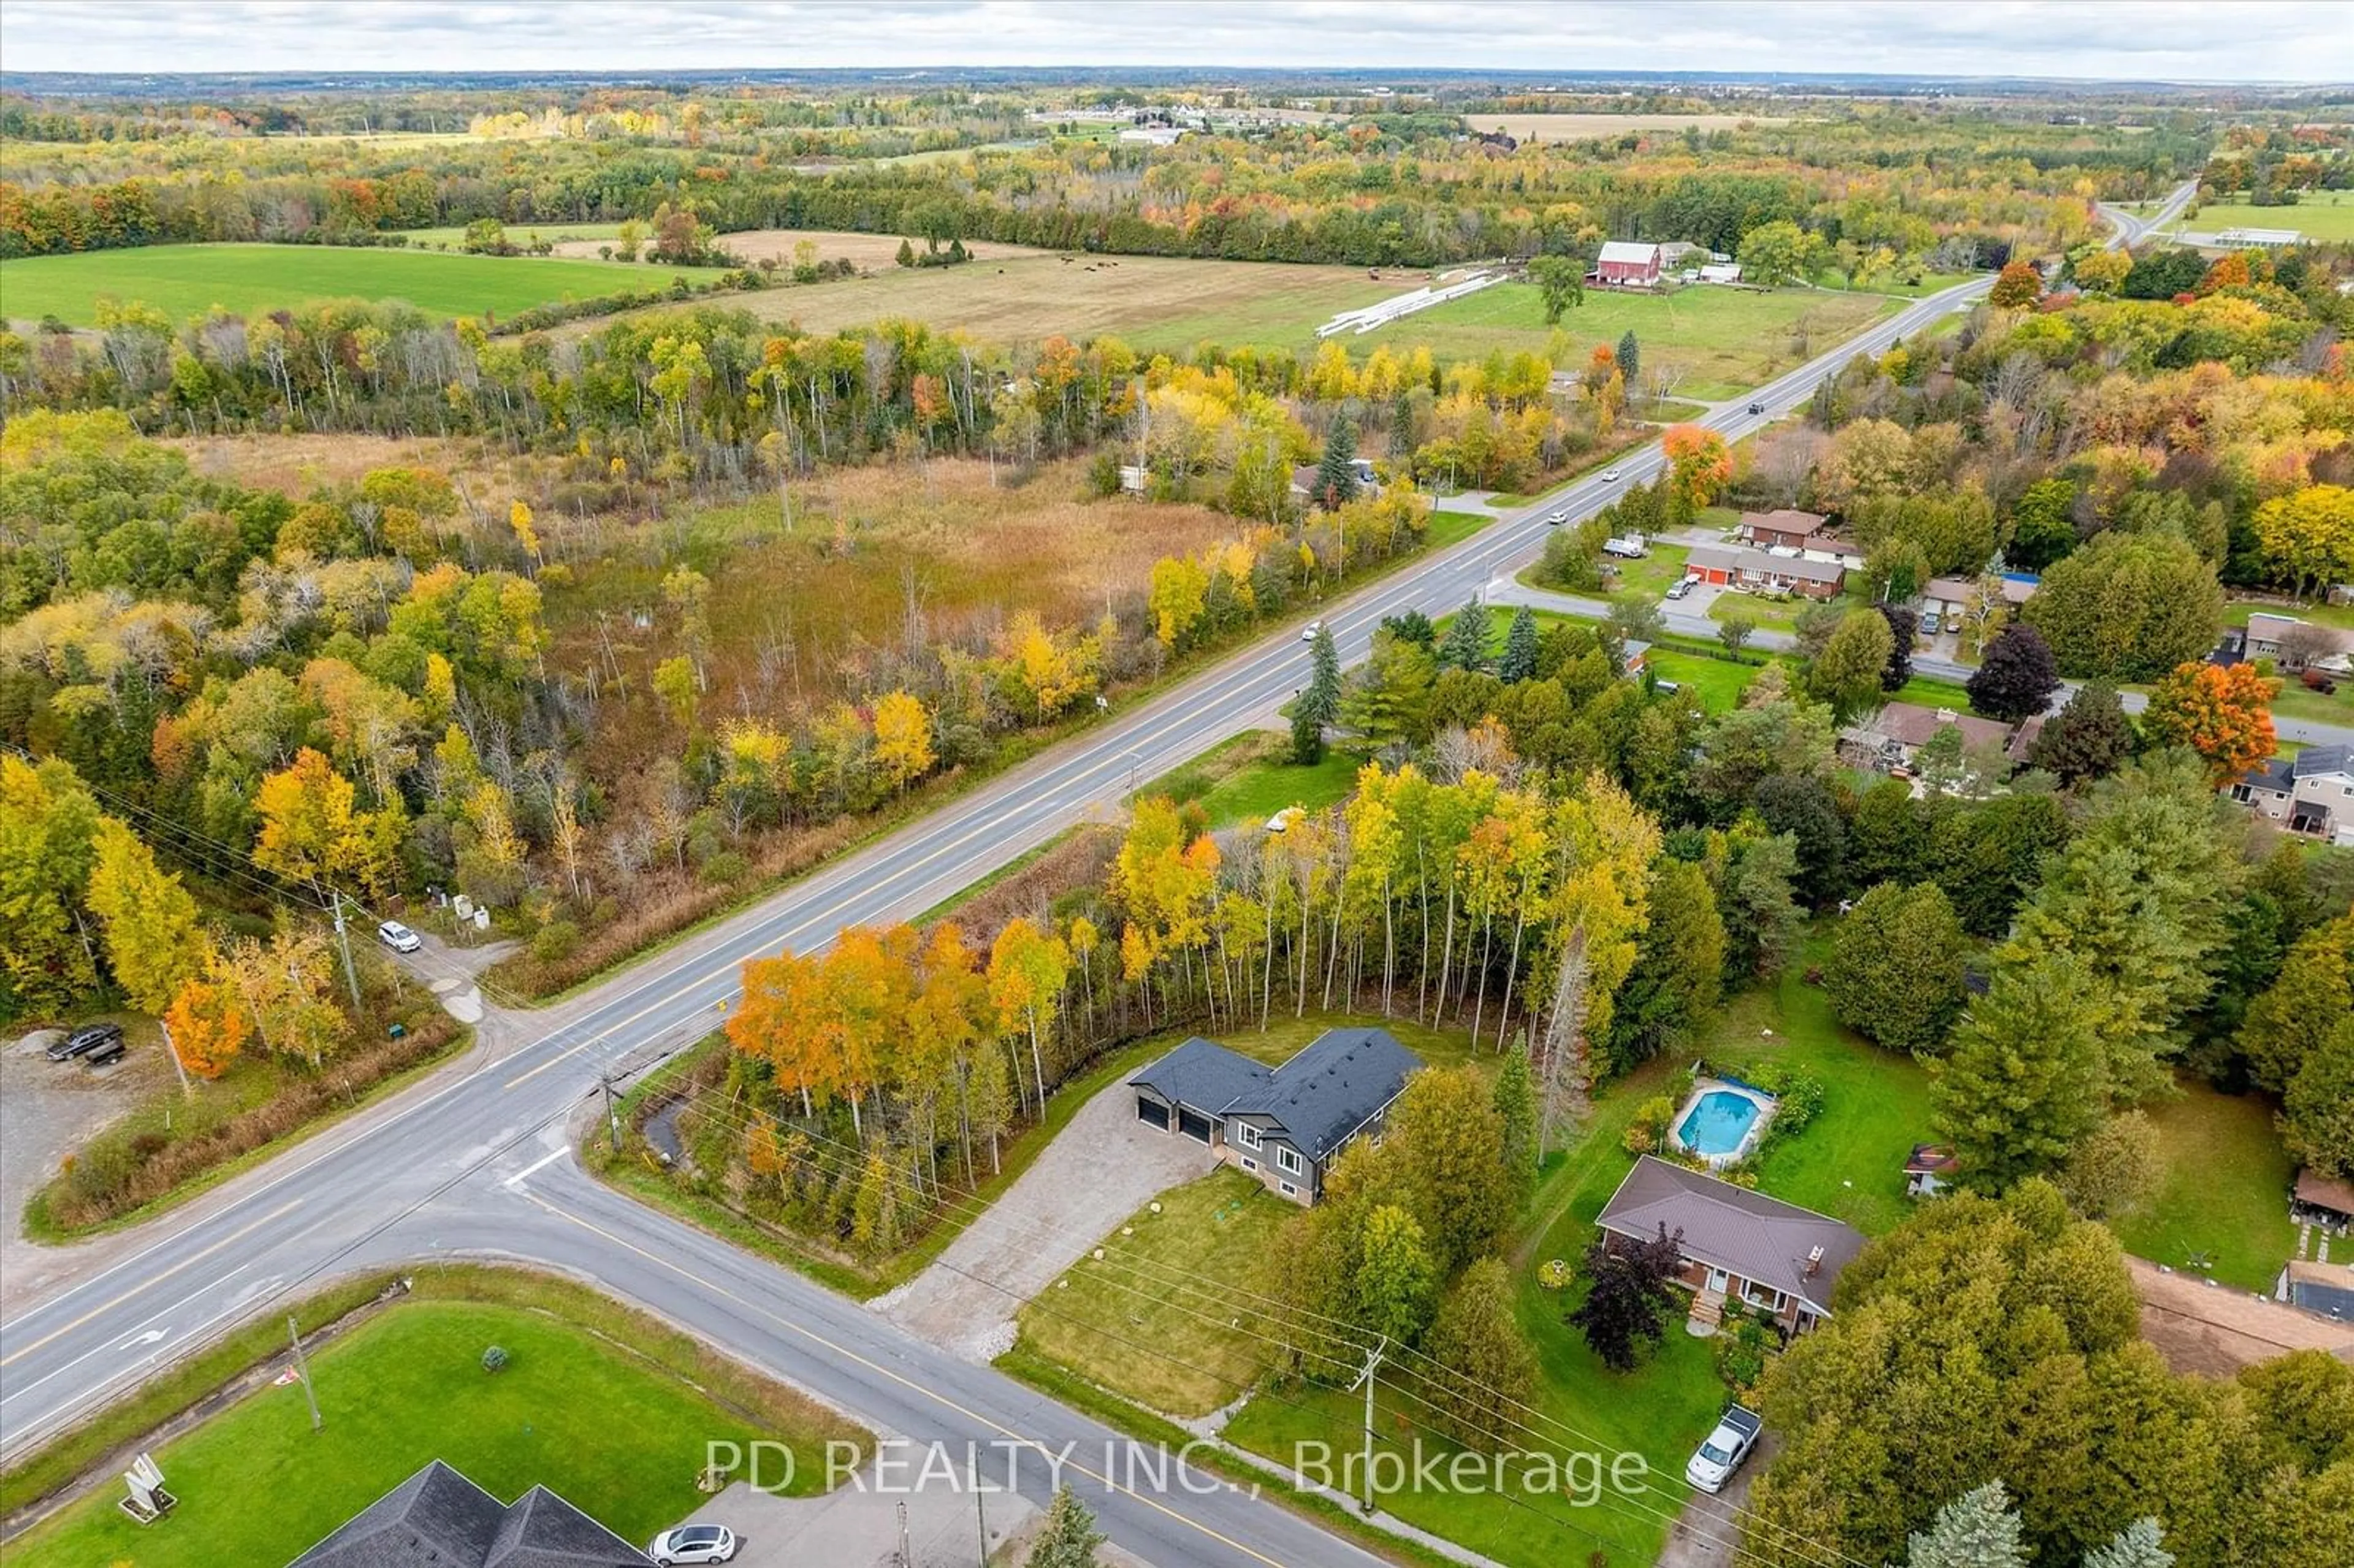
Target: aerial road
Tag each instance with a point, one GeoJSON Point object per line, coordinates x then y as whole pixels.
{"type": "Point", "coordinates": [474, 1161]}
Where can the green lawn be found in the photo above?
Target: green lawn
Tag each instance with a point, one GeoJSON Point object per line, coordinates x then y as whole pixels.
{"type": "Point", "coordinates": [521, 234]}
{"type": "Point", "coordinates": [1646, 579]}
{"type": "Point", "coordinates": [1931, 693]}
{"type": "Point", "coordinates": [1718, 682]}
{"type": "Point", "coordinates": [1454, 527]}
{"type": "Point", "coordinates": [616, 1435]}
{"type": "Point", "coordinates": [2222, 1191]}
{"type": "Point", "coordinates": [2340, 616]}
{"type": "Point", "coordinates": [184, 281]}
{"type": "Point", "coordinates": [1724, 340]}
{"type": "Point", "coordinates": [2297, 703]}
{"type": "Point", "coordinates": [2327, 217]}
{"type": "Point", "coordinates": [1121, 1321]}
{"type": "Point", "coordinates": [1252, 776]}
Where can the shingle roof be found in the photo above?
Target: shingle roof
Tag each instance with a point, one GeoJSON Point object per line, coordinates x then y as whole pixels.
{"type": "Point", "coordinates": [438, 1518]}
{"type": "Point", "coordinates": [2281, 773]}
{"type": "Point", "coordinates": [1785, 520]}
{"type": "Point", "coordinates": [1910, 724]}
{"type": "Point", "coordinates": [1202, 1074]}
{"type": "Point", "coordinates": [1330, 1088]}
{"type": "Point", "coordinates": [1753, 1235]}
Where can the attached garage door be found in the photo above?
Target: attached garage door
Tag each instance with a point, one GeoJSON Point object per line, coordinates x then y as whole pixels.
{"type": "Point", "coordinates": [1153, 1112]}
{"type": "Point", "coordinates": [1193, 1123]}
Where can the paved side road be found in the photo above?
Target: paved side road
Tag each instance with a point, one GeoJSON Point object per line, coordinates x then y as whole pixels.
{"type": "Point", "coordinates": [1099, 1170]}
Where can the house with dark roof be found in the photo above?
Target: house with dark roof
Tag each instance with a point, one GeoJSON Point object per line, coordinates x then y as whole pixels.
{"type": "Point", "coordinates": [1736, 1245]}
{"type": "Point", "coordinates": [1891, 739]}
{"type": "Point", "coordinates": [2312, 792]}
{"type": "Point", "coordinates": [1814, 576]}
{"type": "Point", "coordinates": [1784, 528]}
{"type": "Point", "coordinates": [438, 1518]}
{"type": "Point", "coordinates": [1287, 1123]}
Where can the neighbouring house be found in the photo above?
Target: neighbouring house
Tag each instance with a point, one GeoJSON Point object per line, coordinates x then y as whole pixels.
{"type": "Point", "coordinates": [1930, 1169]}
{"type": "Point", "coordinates": [1721, 272]}
{"type": "Point", "coordinates": [1783, 529]}
{"type": "Point", "coordinates": [1284, 1124]}
{"type": "Point", "coordinates": [2297, 644]}
{"type": "Point", "coordinates": [2310, 793]}
{"type": "Point", "coordinates": [1763, 571]}
{"type": "Point", "coordinates": [1735, 1244]}
{"type": "Point", "coordinates": [1626, 264]}
{"type": "Point", "coordinates": [1304, 478]}
{"type": "Point", "coordinates": [1890, 740]}
{"type": "Point", "coordinates": [438, 1518]}
{"type": "Point", "coordinates": [1950, 599]}
{"type": "Point", "coordinates": [1634, 657]}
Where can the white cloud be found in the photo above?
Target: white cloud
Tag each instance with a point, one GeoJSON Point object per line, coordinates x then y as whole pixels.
{"type": "Point", "coordinates": [2163, 40]}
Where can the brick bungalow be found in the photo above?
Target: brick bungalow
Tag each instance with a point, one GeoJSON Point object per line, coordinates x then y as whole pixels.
{"type": "Point", "coordinates": [1757, 571]}
{"type": "Point", "coordinates": [1284, 1124]}
{"type": "Point", "coordinates": [1775, 1258]}
{"type": "Point", "coordinates": [1784, 529]}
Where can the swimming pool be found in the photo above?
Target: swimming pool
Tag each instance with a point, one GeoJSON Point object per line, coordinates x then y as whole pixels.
{"type": "Point", "coordinates": [1718, 1123]}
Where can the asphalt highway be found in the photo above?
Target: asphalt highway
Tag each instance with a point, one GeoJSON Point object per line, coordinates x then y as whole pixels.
{"type": "Point", "coordinates": [474, 1161]}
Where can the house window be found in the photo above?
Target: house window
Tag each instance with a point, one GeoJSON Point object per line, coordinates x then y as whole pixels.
{"type": "Point", "coordinates": [1248, 1164]}
{"type": "Point", "coordinates": [1287, 1189]}
{"type": "Point", "coordinates": [1771, 1300]}
{"type": "Point", "coordinates": [2243, 794]}
{"type": "Point", "coordinates": [1288, 1158]}
{"type": "Point", "coordinates": [1247, 1135]}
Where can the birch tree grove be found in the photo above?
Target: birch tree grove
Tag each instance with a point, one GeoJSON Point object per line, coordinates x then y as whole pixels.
{"type": "Point", "coordinates": [1472, 904]}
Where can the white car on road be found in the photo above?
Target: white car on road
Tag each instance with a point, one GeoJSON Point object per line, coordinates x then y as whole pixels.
{"type": "Point", "coordinates": [398, 938]}
{"type": "Point", "coordinates": [693, 1543]}
{"type": "Point", "coordinates": [1610, 476]}
{"type": "Point", "coordinates": [1308, 633]}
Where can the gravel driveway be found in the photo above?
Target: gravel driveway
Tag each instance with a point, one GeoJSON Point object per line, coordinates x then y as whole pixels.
{"type": "Point", "coordinates": [1101, 1169]}
{"type": "Point", "coordinates": [47, 1110]}
{"type": "Point", "coordinates": [1708, 1531]}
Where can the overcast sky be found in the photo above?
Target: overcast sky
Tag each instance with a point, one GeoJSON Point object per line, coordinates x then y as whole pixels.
{"type": "Point", "coordinates": [2303, 40]}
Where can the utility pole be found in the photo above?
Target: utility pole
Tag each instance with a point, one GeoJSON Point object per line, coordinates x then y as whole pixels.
{"type": "Point", "coordinates": [1373, 1364]}
{"type": "Point", "coordinates": [612, 1118]}
{"type": "Point", "coordinates": [979, 1504]}
{"type": "Point", "coordinates": [302, 1370]}
{"type": "Point", "coordinates": [172, 1049]}
{"type": "Point", "coordinates": [343, 940]}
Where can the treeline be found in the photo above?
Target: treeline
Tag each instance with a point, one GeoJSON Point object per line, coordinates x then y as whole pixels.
{"type": "Point", "coordinates": [1396, 191]}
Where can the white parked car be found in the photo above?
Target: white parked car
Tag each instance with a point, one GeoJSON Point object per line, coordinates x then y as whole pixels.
{"type": "Point", "coordinates": [398, 938]}
{"type": "Point", "coordinates": [1721, 1451]}
{"type": "Point", "coordinates": [693, 1543]}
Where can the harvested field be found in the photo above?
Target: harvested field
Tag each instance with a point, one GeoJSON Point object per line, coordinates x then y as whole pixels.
{"type": "Point", "coordinates": [868, 250]}
{"type": "Point", "coordinates": [1022, 296]}
{"type": "Point", "coordinates": [298, 464]}
{"type": "Point", "coordinates": [1576, 127]}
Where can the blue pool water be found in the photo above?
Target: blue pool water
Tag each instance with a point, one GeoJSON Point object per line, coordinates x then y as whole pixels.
{"type": "Point", "coordinates": [1718, 1123]}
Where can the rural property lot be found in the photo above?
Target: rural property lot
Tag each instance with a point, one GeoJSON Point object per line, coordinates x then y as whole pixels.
{"type": "Point", "coordinates": [1723, 340]}
{"type": "Point", "coordinates": [184, 280]}
{"type": "Point", "coordinates": [1151, 302]}
{"type": "Point", "coordinates": [2322, 215]}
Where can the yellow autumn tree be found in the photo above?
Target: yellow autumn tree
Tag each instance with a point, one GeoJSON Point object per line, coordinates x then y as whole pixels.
{"type": "Point", "coordinates": [153, 941]}
{"type": "Point", "coordinates": [903, 738]}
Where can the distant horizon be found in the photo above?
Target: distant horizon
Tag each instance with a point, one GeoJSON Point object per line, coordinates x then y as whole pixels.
{"type": "Point", "coordinates": [2159, 43]}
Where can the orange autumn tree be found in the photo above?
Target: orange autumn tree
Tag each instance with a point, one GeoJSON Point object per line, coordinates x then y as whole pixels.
{"type": "Point", "coordinates": [1698, 465]}
{"type": "Point", "coordinates": [207, 1026]}
{"type": "Point", "coordinates": [2224, 715]}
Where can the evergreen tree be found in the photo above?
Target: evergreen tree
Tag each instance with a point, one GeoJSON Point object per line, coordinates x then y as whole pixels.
{"type": "Point", "coordinates": [1319, 705]}
{"type": "Point", "coordinates": [1630, 356]}
{"type": "Point", "coordinates": [1487, 1368]}
{"type": "Point", "coordinates": [2089, 737]}
{"type": "Point", "coordinates": [1465, 643]}
{"type": "Point", "coordinates": [1679, 968]}
{"type": "Point", "coordinates": [1896, 974]}
{"type": "Point", "coordinates": [906, 257]}
{"type": "Point", "coordinates": [1336, 475]}
{"type": "Point", "coordinates": [1516, 1099]}
{"type": "Point", "coordinates": [2140, 1544]}
{"type": "Point", "coordinates": [1069, 1537]}
{"type": "Point", "coordinates": [1977, 1530]}
{"type": "Point", "coordinates": [2022, 1085]}
{"type": "Point", "coordinates": [1391, 1284]}
{"type": "Point", "coordinates": [1519, 661]}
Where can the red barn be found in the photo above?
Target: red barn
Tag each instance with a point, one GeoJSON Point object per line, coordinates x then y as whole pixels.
{"type": "Point", "coordinates": [1624, 263]}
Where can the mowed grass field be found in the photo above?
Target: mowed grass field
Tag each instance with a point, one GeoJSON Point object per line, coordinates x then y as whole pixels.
{"type": "Point", "coordinates": [1576, 127]}
{"type": "Point", "coordinates": [1153, 303]}
{"type": "Point", "coordinates": [184, 281]}
{"type": "Point", "coordinates": [1723, 340]}
{"type": "Point", "coordinates": [2324, 216]}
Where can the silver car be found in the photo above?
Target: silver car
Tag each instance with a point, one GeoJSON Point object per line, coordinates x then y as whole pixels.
{"type": "Point", "coordinates": [693, 1543]}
